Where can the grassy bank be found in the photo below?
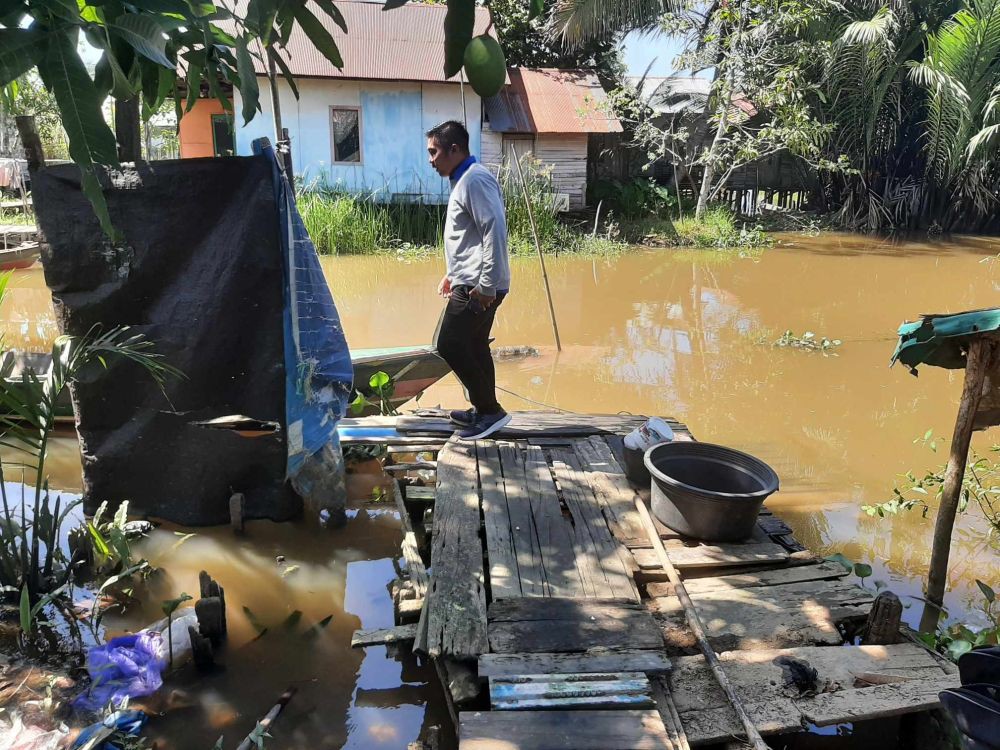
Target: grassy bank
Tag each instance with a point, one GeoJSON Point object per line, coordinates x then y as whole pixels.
{"type": "Point", "coordinates": [636, 213]}
{"type": "Point", "coordinates": [342, 222]}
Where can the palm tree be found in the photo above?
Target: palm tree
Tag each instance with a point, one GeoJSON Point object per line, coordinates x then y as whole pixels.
{"type": "Point", "coordinates": [577, 21]}
{"type": "Point", "coordinates": [960, 74]}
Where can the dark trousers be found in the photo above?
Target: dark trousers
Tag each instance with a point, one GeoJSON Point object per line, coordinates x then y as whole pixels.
{"type": "Point", "coordinates": [463, 340]}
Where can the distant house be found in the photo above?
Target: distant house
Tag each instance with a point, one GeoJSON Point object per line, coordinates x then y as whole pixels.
{"type": "Point", "coordinates": [362, 127]}
{"type": "Point", "coordinates": [552, 114]}
{"type": "Point", "coordinates": [680, 103]}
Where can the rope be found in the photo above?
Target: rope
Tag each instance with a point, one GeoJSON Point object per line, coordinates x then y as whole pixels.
{"type": "Point", "coordinates": [532, 401]}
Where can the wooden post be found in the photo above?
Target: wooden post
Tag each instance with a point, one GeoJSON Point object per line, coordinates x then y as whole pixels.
{"type": "Point", "coordinates": [977, 363]}
{"type": "Point", "coordinates": [264, 724]}
{"type": "Point", "coordinates": [127, 130]}
{"type": "Point", "coordinates": [286, 146]}
{"type": "Point", "coordinates": [882, 628]}
{"type": "Point", "coordinates": [30, 141]}
{"type": "Point", "coordinates": [538, 246]}
{"type": "Point", "coordinates": [272, 83]}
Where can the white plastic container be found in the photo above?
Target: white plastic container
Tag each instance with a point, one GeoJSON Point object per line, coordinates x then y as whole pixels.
{"type": "Point", "coordinates": [653, 431]}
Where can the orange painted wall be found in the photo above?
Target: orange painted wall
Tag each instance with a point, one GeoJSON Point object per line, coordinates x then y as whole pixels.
{"type": "Point", "coordinates": [196, 129]}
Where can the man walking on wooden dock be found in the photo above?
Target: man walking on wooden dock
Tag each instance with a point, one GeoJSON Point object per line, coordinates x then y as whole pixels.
{"type": "Point", "coordinates": [477, 276]}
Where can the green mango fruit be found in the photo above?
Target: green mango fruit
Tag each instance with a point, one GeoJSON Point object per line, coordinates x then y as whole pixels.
{"type": "Point", "coordinates": [485, 65]}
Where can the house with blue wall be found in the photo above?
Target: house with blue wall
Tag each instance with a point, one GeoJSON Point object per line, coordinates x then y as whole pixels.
{"type": "Point", "coordinates": [360, 128]}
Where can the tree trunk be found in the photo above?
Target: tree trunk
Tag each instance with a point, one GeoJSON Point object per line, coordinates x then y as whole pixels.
{"type": "Point", "coordinates": [723, 103]}
{"type": "Point", "coordinates": [127, 130]}
{"type": "Point", "coordinates": [272, 83]}
{"type": "Point", "coordinates": [977, 363]}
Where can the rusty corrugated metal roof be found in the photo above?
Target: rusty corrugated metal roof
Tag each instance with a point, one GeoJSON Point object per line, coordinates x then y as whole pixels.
{"type": "Point", "coordinates": [549, 100]}
{"type": "Point", "coordinates": [404, 44]}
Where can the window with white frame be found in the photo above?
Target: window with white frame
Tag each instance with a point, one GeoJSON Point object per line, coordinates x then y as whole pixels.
{"type": "Point", "coordinates": [345, 134]}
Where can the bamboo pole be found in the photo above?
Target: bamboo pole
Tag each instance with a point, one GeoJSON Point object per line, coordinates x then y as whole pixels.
{"type": "Point", "coordinates": [694, 622]}
{"type": "Point", "coordinates": [977, 363]}
{"type": "Point", "coordinates": [538, 245]}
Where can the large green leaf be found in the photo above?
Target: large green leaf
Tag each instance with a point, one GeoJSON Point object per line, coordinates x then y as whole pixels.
{"type": "Point", "coordinates": [249, 90]}
{"type": "Point", "coordinates": [144, 35]}
{"type": "Point", "coordinates": [535, 8]}
{"type": "Point", "coordinates": [90, 139]}
{"type": "Point", "coordinates": [67, 9]}
{"type": "Point", "coordinates": [333, 11]}
{"type": "Point", "coordinates": [459, 23]}
{"type": "Point", "coordinates": [319, 36]}
{"type": "Point", "coordinates": [193, 84]}
{"type": "Point", "coordinates": [20, 49]}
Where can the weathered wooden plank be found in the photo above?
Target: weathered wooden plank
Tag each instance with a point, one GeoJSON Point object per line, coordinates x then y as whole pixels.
{"type": "Point", "coordinates": [713, 555]}
{"type": "Point", "coordinates": [411, 550]}
{"type": "Point", "coordinates": [524, 535]}
{"type": "Point", "coordinates": [562, 730]}
{"type": "Point", "coordinates": [798, 574]}
{"type": "Point", "coordinates": [612, 489]}
{"type": "Point", "coordinates": [420, 493]}
{"type": "Point", "coordinates": [381, 636]}
{"type": "Point", "coordinates": [610, 690]}
{"type": "Point", "coordinates": [561, 625]}
{"type": "Point", "coordinates": [525, 424]}
{"type": "Point", "coordinates": [775, 706]}
{"type": "Point", "coordinates": [599, 557]}
{"type": "Point", "coordinates": [625, 660]}
{"type": "Point", "coordinates": [502, 557]}
{"type": "Point", "coordinates": [784, 616]}
{"type": "Point", "coordinates": [456, 598]}
{"type": "Point", "coordinates": [560, 566]}
{"type": "Point", "coordinates": [877, 702]}
{"type": "Point", "coordinates": [415, 447]}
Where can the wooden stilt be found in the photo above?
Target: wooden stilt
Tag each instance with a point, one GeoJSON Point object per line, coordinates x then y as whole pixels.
{"type": "Point", "coordinates": [977, 362]}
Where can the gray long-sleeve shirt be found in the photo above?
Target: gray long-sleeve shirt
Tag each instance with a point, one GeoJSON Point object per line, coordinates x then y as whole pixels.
{"type": "Point", "coordinates": [475, 233]}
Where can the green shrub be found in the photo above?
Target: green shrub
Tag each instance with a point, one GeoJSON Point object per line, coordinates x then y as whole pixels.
{"type": "Point", "coordinates": [718, 228]}
{"type": "Point", "coordinates": [636, 199]}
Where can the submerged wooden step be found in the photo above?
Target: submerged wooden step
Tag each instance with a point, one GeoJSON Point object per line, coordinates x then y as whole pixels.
{"type": "Point", "coordinates": [563, 730]}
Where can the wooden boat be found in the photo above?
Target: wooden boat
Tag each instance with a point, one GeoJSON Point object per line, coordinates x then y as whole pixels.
{"type": "Point", "coordinates": [21, 256]}
{"type": "Point", "coordinates": [412, 369]}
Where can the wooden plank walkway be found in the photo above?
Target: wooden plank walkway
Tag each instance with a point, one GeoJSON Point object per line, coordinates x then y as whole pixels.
{"type": "Point", "coordinates": [543, 587]}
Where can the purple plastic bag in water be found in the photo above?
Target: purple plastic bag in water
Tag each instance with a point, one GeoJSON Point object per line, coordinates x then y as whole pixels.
{"type": "Point", "coordinates": [125, 667]}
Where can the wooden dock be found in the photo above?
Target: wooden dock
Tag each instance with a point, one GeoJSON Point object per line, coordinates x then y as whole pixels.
{"type": "Point", "coordinates": [553, 625]}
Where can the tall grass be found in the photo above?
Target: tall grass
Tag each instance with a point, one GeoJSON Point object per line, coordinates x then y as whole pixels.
{"type": "Point", "coordinates": [344, 222]}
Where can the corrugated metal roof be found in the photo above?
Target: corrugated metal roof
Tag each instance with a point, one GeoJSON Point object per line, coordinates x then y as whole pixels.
{"type": "Point", "coordinates": [549, 100]}
{"type": "Point", "coordinates": [404, 44]}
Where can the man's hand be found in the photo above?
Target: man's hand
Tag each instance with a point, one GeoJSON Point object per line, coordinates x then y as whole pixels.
{"type": "Point", "coordinates": [444, 288]}
{"type": "Point", "coordinates": [485, 301]}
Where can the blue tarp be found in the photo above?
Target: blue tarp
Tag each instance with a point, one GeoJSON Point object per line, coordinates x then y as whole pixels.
{"type": "Point", "coordinates": [318, 370]}
{"type": "Point", "coordinates": [125, 667]}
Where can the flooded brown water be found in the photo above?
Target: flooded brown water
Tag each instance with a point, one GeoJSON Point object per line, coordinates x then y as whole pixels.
{"type": "Point", "coordinates": [674, 333]}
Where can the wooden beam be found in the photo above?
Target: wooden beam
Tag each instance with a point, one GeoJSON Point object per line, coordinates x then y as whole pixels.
{"type": "Point", "coordinates": [978, 362]}
{"type": "Point", "coordinates": [651, 661]}
{"type": "Point", "coordinates": [562, 730]}
{"type": "Point", "coordinates": [381, 636]}
{"type": "Point", "coordinates": [456, 599]}
{"type": "Point", "coordinates": [776, 577]}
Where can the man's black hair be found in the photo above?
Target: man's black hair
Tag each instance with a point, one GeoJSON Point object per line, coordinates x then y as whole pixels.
{"type": "Point", "coordinates": [450, 133]}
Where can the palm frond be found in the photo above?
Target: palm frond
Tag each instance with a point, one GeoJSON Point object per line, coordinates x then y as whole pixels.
{"type": "Point", "coordinates": [579, 21]}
